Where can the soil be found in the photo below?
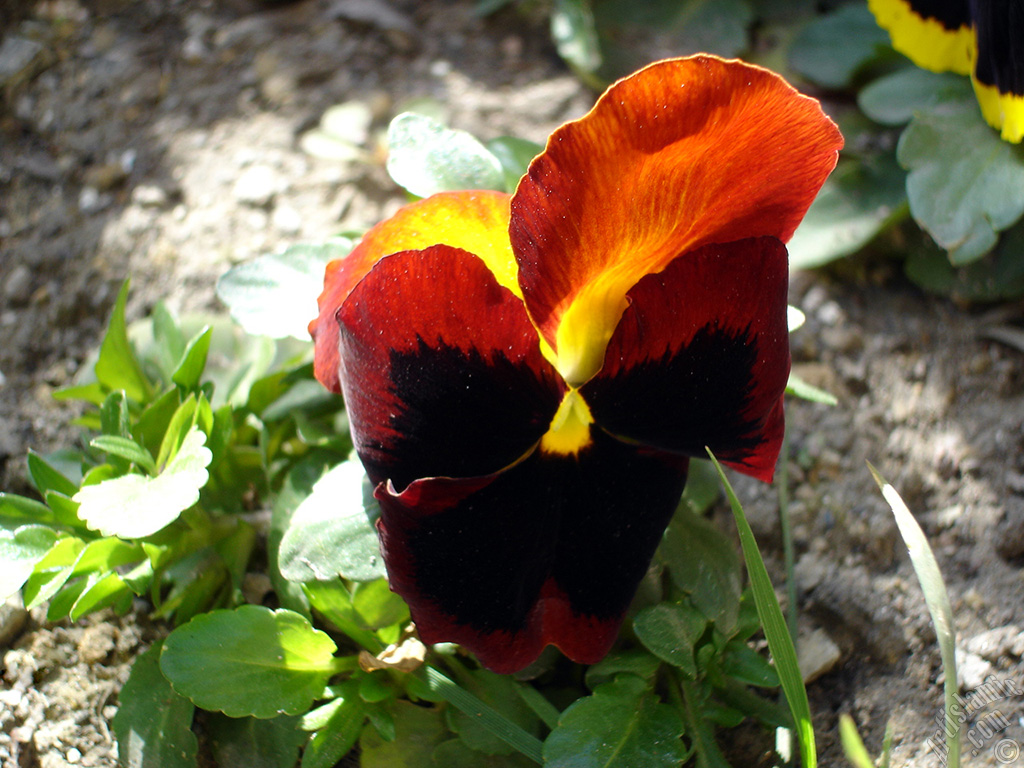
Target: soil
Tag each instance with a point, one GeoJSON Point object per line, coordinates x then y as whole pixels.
{"type": "Point", "coordinates": [160, 139]}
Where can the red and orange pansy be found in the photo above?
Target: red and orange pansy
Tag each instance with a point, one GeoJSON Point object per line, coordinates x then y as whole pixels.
{"type": "Point", "coordinates": [527, 376]}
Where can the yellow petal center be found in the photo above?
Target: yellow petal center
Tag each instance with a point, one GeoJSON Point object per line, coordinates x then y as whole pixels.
{"type": "Point", "coordinates": [569, 432]}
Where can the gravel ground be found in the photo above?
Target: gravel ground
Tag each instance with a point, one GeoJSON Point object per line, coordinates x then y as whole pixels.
{"type": "Point", "coordinates": [160, 139]}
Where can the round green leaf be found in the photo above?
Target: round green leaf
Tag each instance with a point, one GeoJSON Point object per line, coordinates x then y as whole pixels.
{"type": "Point", "coordinates": [620, 726]}
{"type": "Point", "coordinates": [418, 731]}
{"type": "Point", "coordinates": [895, 98]}
{"type": "Point", "coordinates": [249, 661]}
{"type": "Point", "coordinates": [860, 199]}
{"type": "Point", "coordinates": [133, 506]}
{"type": "Point", "coordinates": [965, 184]}
{"type": "Point", "coordinates": [830, 50]}
{"type": "Point", "coordinates": [670, 633]}
{"type": "Point", "coordinates": [153, 724]}
{"type": "Point", "coordinates": [331, 533]}
{"type": "Point", "coordinates": [426, 157]}
{"type": "Point", "coordinates": [245, 742]}
{"type": "Point", "coordinates": [275, 295]}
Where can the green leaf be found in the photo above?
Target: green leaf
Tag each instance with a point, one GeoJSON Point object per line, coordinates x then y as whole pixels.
{"type": "Point", "coordinates": [52, 571]}
{"type": "Point", "coordinates": [515, 156]}
{"type": "Point", "coordinates": [246, 742]}
{"type": "Point", "coordinates": [418, 731]}
{"type": "Point", "coordinates": [336, 737]}
{"type": "Point", "coordinates": [331, 533]}
{"type": "Point", "coordinates": [249, 661]}
{"type": "Point", "coordinates": [333, 601]}
{"type": "Point", "coordinates": [426, 157]}
{"type": "Point", "coordinates": [832, 49]}
{"type": "Point", "coordinates": [861, 198]}
{"type": "Point", "coordinates": [703, 563]}
{"type": "Point", "coordinates": [575, 35]}
{"type": "Point", "coordinates": [621, 726]}
{"type": "Point", "coordinates": [454, 753]}
{"type": "Point", "coordinates": [743, 663]}
{"type": "Point", "coordinates": [20, 550]}
{"type": "Point", "coordinates": [895, 98]}
{"type": "Point", "coordinates": [190, 371]}
{"type": "Point", "coordinates": [995, 276]}
{"type": "Point", "coordinates": [775, 631]}
{"type": "Point", "coordinates": [797, 387]}
{"type": "Point", "coordinates": [499, 692]}
{"type": "Point", "coordinates": [153, 723]}
{"type": "Point", "coordinates": [965, 184]}
{"type": "Point", "coordinates": [117, 367]}
{"type": "Point", "coordinates": [133, 506]}
{"type": "Point", "coordinates": [632, 661]}
{"type": "Point", "coordinates": [126, 449]}
{"type": "Point", "coordinates": [45, 477]}
{"type": "Point", "coordinates": [114, 415]}
{"type": "Point", "coordinates": [670, 632]}
{"type": "Point", "coordinates": [275, 295]}
{"type": "Point", "coordinates": [102, 590]}
{"type": "Point", "coordinates": [378, 605]}
{"type": "Point", "coordinates": [853, 747]}
{"type": "Point", "coordinates": [170, 342]}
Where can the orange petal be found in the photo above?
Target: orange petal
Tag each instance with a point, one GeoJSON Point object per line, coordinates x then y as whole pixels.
{"type": "Point", "coordinates": [684, 153]}
{"type": "Point", "coordinates": [474, 221]}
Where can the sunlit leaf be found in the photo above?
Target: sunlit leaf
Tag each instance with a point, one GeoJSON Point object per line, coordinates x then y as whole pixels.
{"type": "Point", "coordinates": [20, 550]}
{"type": "Point", "coordinates": [193, 360]}
{"type": "Point", "coordinates": [275, 295]}
{"type": "Point", "coordinates": [153, 724]}
{"type": "Point", "coordinates": [126, 449]}
{"type": "Point", "coordinates": [621, 726]}
{"type": "Point", "coordinates": [45, 477]}
{"type": "Point", "coordinates": [338, 734]}
{"type": "Point", "coordinates": [267, 662]}
{"type": "Point", "coordinates": [117, 367]}
{"type": "Point", "coordinates": [575, 34]}
{"type": "Point", "coordinates": [133, 506]}
{"type": "Point", "coordinates": [426, 157]}
{"type": "Point", "coordinates": [331, 532]}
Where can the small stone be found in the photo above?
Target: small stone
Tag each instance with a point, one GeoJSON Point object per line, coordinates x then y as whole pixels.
{"type": "Point", "coordinates": [18, 287]}
{"type": "Point", "coordinates": [287, 219]}
{"type": "Point", "coordinates": [21, 59]}
{"type": "Point", "coordinates": [96, 643]}
{"type": "Point", "coordinates": [971, 670]}
{"type": "Point", "coordinates": [73, 755]}
{"type": "Point", "coordinates": [257, 186]}
{"type": "Point", "coordinates": [994, 644]}
{"type": "Point", "coordinates": [12, 620]}
{"type": "Point", "coordinates": [149, 196]}
{"type": "Point", "coordinates": [90, 200]}
{"type": "Point", "coordinates": [817, 655]}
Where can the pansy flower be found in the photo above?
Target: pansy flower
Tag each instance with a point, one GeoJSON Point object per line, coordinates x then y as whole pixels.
{"type": "Point", "coordinates": [980, 38]}
{"type": "Point", "coordinates": [526, 377]}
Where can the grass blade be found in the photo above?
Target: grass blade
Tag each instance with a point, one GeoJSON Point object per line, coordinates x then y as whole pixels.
{"type": "Point", "coordinates": [927, 569]}
{"type": "Point", "coordinates": [779, 640]}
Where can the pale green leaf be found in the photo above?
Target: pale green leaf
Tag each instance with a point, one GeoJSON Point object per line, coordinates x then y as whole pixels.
{"type": "Point", "coordinates": [133, 506]}
{"type": "Point", "coordinates": [425, 157]}
{"type": "Point", "coordinates": [249, 661]}
{"type": "Point", "coordinates": [670, 632]}
{"type": "Point", "coordinates": [833, 48]}
{"type": "Point", "coordinates": [20, 550]}
{"type": "Point", "coordinates": [275, 295]}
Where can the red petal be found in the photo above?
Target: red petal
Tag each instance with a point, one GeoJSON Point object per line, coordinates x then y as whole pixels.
{"type": "Point", "coordinates": [549, 551]}
{"type": "Point", "coordinates": [684, 153]}
{"type": "Point", "coordinates": [701, 358]}
{"type": "Point", "coordinates": [473, 221]}
{"type": "Point", "coordinates": [441, 369]}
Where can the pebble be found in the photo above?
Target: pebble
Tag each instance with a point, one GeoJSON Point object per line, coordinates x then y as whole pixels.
{"type": "Point", "coordinates": [257, 186]}
{"type": "Point", "coordinates": [12, 620]}
{"type": "Point", "coordinates": [20, 60]}
{"type": "Point", "coordinates": [18, 287]}
{"type": "Point", "coordinates": [971, 670]}
{"type": "Point", "coordinates": [994, 644]}
{"type": "Point", "coordinates": [817, 655]}
{"type": "Point", "coordinates": [149, 196]}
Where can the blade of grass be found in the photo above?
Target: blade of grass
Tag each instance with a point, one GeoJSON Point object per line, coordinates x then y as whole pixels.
{"type": "Point", "coordinates": [853, 747]}
{"type": "Point", "coordinates": [779, 640]}
{"type": "Point", "coordinates": [928, 574]}
{"type": "Point", "coordinates": [497, 724]}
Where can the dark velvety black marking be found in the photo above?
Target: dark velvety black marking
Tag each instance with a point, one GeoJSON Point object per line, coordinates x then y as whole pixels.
{"type": "Point", "coordinates": [461, 415]}
{"type": "Point", "coordinates": [592, 522]}
{"type": "Point", "coordinates": [952, 14]}
{"type": "Point", "coordinates": [684, 401]}
{"type": "Point", "coordinates": [999, 25]}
